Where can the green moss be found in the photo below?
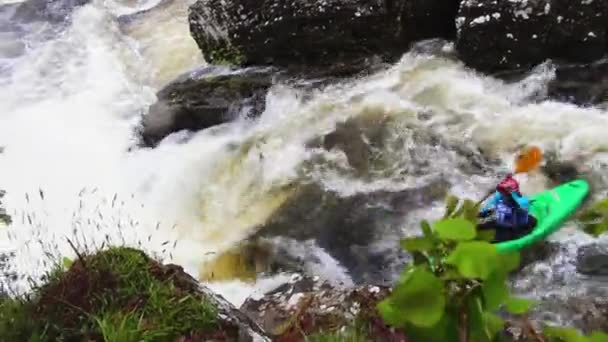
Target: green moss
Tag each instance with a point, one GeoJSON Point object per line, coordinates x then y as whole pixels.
{"type": "Point", "coordinates": [223, 53]}
{"type": "Point", "coordinates": [119, 294]}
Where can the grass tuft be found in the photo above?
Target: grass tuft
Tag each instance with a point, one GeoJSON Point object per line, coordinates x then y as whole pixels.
{"type": "Point", "coordinates": [118, 294]}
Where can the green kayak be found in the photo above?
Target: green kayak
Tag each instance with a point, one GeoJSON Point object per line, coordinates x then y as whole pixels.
{"type": "Point", "coordinates": [550, 208]}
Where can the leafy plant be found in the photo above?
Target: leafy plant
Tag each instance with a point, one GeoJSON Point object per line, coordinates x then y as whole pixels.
{"type": "Point", "coordinates": [595, 219]}
{"type": "Point", "coordinates": [457, 283]}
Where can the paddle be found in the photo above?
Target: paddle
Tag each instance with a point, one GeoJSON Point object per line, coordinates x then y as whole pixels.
{"type": "Point", "coordinates": [527, 160]}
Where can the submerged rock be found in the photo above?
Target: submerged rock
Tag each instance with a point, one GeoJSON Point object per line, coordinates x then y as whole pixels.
{"type": "Point", "coordinates": [501, 35]}
{"type": "Point", "coordinates": [592, 259]}
{"type": "Point", "coordinates": [200, 101]}
{"type": "Point", "coordinates": [361, 231]}
{"type": "Point", "coordinates": [582, 85]}
{"type": "Point", "coordinates": [317, 33]}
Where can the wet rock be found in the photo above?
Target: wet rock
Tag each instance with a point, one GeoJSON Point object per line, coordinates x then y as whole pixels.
{"type": "Point", "coordinates": [429, 19]}
{"type": "Point", "coordinates": [542, 250]}
{"type": "Point", "coordinates": [583, 85]}
{"type": "Point", "coordinates": [54, 11]}
{"type": "Point", "coordinates": [360, 231]}
{"type": "Point", "coordinates": [501, 35]}
{"type": "Point", "coordinates": [588, 313]}
{"type": "Point", "coordinates": [592, 259]}
{"type": "Point", "coordinates": [320, 33]}
{"type": "Point", "coordinates": [248, 330]}
{"type": "Point", "coordinates": [204, 99]}
{"type": "Point", "coordinates": [307, 306]}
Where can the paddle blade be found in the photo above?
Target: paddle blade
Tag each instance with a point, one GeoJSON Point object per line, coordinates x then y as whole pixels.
{"type": "Point", "coordinates": [528, 159]}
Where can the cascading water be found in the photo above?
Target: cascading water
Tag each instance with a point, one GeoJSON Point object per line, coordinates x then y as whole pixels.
{"type": "Point", "coordinates": [70, 106]}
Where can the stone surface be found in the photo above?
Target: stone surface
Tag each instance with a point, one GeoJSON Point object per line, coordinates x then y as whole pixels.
{"type": "Point", "coordinates": [498, 35]}
{"type": "Point", "coordinates": [592, 259]}
{"type": "Point", "coordinates": [583, 85]}
{"type": "Point", "coordinates": [197, 102]}
{"type": "Point", "coordinates": [306, 306]}
{"type": "Point", "coordinates": [321, 32]}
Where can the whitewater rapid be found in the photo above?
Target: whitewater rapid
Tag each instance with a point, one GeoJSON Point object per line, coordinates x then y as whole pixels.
{"type": "Point", "coordinates": [70, 107]}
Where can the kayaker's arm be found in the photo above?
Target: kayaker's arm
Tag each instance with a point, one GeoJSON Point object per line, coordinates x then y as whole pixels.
{"type": "Point", "coordinates": [522, 201]}
{"type": "Point", "coordinates": [491, 203]}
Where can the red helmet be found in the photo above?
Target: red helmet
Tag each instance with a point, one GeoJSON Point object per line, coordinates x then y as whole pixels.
{"type": "Point", "coordinates": [508, 185]}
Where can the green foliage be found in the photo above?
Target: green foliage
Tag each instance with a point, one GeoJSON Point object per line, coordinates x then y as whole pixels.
{"type": "Point", "coordinates": [474, 259]}
{"type": "Point", "coordinates": [457, 229]}
{"type": "Point", "coordinates": [419, 300]}
{"type": "Point", "coordinates": [117, 326]}
{"type": "Point", "coordinates": [119, 294]}
{"type": "Point", "coordinates": [518, 306]}
{"type": "Point", "coordinates": [455, 283]}
{"type": "Point", "coordinates": [595, 218]}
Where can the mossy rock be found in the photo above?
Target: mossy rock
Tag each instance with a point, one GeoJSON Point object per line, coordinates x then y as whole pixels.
{"type": "Point", "coordinates": [118, 294]}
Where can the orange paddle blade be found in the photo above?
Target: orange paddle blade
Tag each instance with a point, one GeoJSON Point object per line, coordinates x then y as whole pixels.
{"type": "Point", "coordinates": [528, 159]}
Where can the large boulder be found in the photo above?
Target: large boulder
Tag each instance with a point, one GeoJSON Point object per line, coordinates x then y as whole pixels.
{"type": "Point", "coordinates": [199, 101]}
{"type": "Point", "coordinates": [317, 33]}
{"type": "Point", "coordinates": [503, 35]}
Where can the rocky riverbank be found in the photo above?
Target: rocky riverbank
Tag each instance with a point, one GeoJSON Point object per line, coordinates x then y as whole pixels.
{"type": "Point", "coordinates": [489, 35]}
{"type": "Point", "coordinates": [312, 44]}
{"type": "Point", "coordinates": [121, 294]}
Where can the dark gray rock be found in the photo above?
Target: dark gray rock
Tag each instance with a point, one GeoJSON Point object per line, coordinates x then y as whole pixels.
{"type": "Point", "coordinates": [583, 85]}
{"type": "Point", "coordinates": [501, 35]}
{"type": "Point", "coordinates": [200, 101]}
{"type": "Point", "coordinates": [321, 32]}
{"type": "Point", "coordinates": [592, 259]}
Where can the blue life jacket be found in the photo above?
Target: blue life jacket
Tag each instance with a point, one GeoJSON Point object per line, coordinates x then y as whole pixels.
{"type": "Point", "coordinates": [508, 215]}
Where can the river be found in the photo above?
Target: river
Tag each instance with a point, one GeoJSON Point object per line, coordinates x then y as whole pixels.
{"type": "Point", "coordinates": [73, 94]}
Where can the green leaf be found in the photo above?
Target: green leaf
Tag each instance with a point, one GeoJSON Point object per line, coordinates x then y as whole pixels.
{"type": "Point", "coordinates": [426, 229]}
{"type": "Point", "coordinates": [495, 290]}
{"type": "Point", "coordinates": [450, 205]}
{"type": "Point", "coordinates": [446, 330]}
{"type": "Point", "coordinates": [518, 306]}
{"type": "Point", "coordinates": [390, 314]}
{"type": "Point", "coordinates": [598, 336]}
{"type": "Point", "coordinates": [67, 262]}
{"type": "Point", "coordinates": [470, 211]}
{"type": "Point", "coordinates": [474, 259]}
{"type": "Point", "coordinates": [476, 321]}
{"type": "Point", "coordinates": [419, 298]}
{"type": "Point", "coordinates": [451, 274]}
{"type": "Point", "coordinates": [509, 261]}
{"type": "Point", "coordinates": [564, 334]}
{"type": "Point", "coordinates": [457, 229]}
{"type": "Point", "coordinates": [486, 235]}
{"type": "Point", "coordinates": [417, 244]}
{"type": "Point", "coordinates": [494, 324]}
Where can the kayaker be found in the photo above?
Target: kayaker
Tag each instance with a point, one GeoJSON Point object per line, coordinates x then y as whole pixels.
{"type": "Point", "coordinates": [510, 209]}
